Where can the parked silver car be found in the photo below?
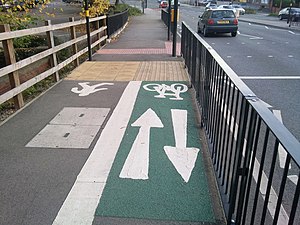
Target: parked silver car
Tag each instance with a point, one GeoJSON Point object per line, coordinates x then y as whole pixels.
{"type": "Point", "coordinates": [284, 13]}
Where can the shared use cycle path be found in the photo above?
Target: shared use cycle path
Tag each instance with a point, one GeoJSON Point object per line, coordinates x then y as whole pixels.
{"type": "Point", "coordinates": [116, 142]}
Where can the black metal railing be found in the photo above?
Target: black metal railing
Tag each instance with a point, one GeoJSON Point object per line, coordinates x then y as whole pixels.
{"type": "Point", "coordinates": [116, 21]}
{"type": "Point", "coordinates": [165, 17]}
{"type": "Point", "coordinates": [256, 159]}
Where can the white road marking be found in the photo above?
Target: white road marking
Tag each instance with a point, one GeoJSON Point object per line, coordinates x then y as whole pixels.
{"type": "Point", "coordinates": [249, 56]}
{"type": "Point", "coordinates": [269, 77]}
{"type": "Point", "coordinates": [87, 89]}
{"type": "Point", "coordinates": [291, 32]}
{"type": "Point", "coordinates": [293, 178]}
{"type": "Point", "coordinates": [182, 157]}
{"type": "Point", "coordinates": [258, 43]}
{"type": "Point", "coordinates": [281, 151]}
{"type": "Point", "coordinates": [251, 37]}
{"type": "Point", "coordinates": [270, 56]}
{"type": "Point", "coordinates": [80, 205]}
{"type": "Point", "coordinates": [290, 56]}
{"type": "Point", "coordinates": [283, 217]}
{"type": "Point", "coordinates": [267, 27]}
{"type": "Point", "coordinates": [164, 90]}
{"type": "Point", "coordinates": [229, 56]}
{"type": "Point", "coordinates": [136, 165]}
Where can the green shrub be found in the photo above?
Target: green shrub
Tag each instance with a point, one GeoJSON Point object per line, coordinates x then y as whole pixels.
{"type": "Point", "coordinates": [273, 14]}
{"type": "Point", "coordinates": [132, 11]}
{"type": "Point", "coordinates": [250, 11]}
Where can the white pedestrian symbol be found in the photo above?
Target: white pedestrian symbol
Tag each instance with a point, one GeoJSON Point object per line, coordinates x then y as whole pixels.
{"type": "Point", "coordinates": [164, 90]}
{"type": "Point", "coordinates": [87, 89]}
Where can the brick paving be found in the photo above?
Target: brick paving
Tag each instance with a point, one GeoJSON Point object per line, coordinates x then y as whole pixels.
{"type": "Point", "coordinates": [142, 51]}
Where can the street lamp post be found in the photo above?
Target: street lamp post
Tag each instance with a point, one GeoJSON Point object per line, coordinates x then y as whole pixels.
{"type": "Point", "coordinates": [169, 19]}
{"type": "Point", "coordinates": [175, 28]}
{"type": "Point", "coordinates": [88, 33]}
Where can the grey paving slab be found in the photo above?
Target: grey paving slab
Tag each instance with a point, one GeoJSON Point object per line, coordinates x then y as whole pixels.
{"type": "Point", "coordinates": [81, 116]}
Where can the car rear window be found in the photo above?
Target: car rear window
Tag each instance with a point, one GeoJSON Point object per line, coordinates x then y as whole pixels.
{"type": "Point", "coordinates": [223, 14]}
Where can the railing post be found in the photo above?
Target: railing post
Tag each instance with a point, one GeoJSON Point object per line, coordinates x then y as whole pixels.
{"type": "Point", "coordinates": [10, 58]}
{"type": "Point", "coordinates": [51, 45]}
{"type": "Point", "coordinates": [104, 24]}
{"type": "Point", "coordinates": [74, 46]}
{"type": "Point", "coordinates": [99, 24]}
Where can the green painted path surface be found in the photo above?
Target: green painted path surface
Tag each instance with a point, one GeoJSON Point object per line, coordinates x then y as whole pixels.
{"type": "Point", "coordinates": [164, 195]}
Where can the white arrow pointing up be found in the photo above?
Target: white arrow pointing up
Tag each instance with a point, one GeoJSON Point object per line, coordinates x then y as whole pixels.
{"type": "Point", "coordinates": [183, 158]}
{"type": "Point", "coordinates": [137, 162]}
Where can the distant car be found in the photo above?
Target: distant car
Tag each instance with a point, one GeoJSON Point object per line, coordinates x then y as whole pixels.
{"type": "Point", "coordinates": [205, 2]}
{"type": "Point", "coordinates": [218, 21]}
{"type": "Point", "coordinates": [172, 3]}
{"type": "Point", "coordinates": [284, 13]}
{"type": "Point", "coordinates": [211, 5]}
{"type": "Point", "coordinates": [163, 4]}
{"type": "Point", "coordinates": [239, 9]}
{"type": "Point", "coordinates": [227, 7]}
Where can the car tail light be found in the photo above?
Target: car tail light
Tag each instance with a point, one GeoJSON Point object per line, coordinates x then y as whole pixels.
{"type": "Point", "coordinates": [210, 21]}
{"type": "Point", "coordinates": [235, 21]}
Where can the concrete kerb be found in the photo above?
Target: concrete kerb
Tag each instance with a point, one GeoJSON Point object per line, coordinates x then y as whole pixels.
{"type": "Point", "coordinates": [292, 28]}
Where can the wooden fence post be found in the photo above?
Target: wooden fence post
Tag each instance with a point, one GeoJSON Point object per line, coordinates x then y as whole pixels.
{"type": "Point", "coordinates": [51, 44]}
{"type": "Point", "coordinates": [10, 58]}
{"type": "Point", "coordinates": [98, 34]}
{"type": "Point", "coordinates": [74, 46]}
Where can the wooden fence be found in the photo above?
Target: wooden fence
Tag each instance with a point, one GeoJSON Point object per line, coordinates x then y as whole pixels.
{"type": "Point", "coordinates": [13, 67]}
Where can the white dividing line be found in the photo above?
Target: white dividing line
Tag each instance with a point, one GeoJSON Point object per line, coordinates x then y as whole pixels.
{"type": "Point", "coordinates": [251, 37]}
{"type": "Point", "coordinates": [282, 153]}
{"type": "Point", "coordinates": [269, 77]}
{"type": "Point", "coordinates": [291, 32]}
{"type": "Point", "coordinates": [293, 178]}
{"type": "Point", "coordinates": [80, 205]}
{"type": "Point", "coordinates": [283, 217]}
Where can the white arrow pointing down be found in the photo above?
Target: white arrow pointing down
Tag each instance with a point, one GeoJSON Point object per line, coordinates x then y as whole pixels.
{"type": "Point", "coordinates": [182, 158]}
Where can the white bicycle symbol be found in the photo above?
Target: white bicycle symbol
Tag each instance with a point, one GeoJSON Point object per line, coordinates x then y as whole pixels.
{"type": "Point", "coordinates": [165, 90]}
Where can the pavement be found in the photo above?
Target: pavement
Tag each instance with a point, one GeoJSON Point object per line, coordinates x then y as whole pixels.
{"type": "Point", "coordinates": [115, 142]}
{"type": "Point", "coordinates": [271, 21]}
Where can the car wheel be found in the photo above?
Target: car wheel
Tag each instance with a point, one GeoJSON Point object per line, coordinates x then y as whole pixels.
{"type": "Point", "coordinates": [198, 29]}
{"type": "Point", "coordinates": [280, 17]}
{"type": "Point", "coordinates": [233, 34]}
{"type": "Point", "coordinates": [205, 34]}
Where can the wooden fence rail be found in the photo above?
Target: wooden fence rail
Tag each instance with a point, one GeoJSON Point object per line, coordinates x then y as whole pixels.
{"type": "Point", "coordinates": [12, 68]}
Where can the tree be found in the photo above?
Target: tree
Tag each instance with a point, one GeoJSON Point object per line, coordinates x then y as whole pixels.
{"type": "Point", "coordinates": [18, 14]}
{"type": "Point", "coordinates": [97, 8]}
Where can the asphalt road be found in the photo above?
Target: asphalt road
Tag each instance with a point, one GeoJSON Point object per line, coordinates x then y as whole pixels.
{"type": "Point", "coordinates": [265, 58]}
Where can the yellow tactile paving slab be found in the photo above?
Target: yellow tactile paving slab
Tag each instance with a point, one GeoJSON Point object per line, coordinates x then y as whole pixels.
{"type": "Point", "coordinates": [129, 71]}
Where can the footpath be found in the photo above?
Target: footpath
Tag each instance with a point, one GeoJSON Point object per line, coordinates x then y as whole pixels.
{"type": "Point", "coordinates": [116, 142]}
